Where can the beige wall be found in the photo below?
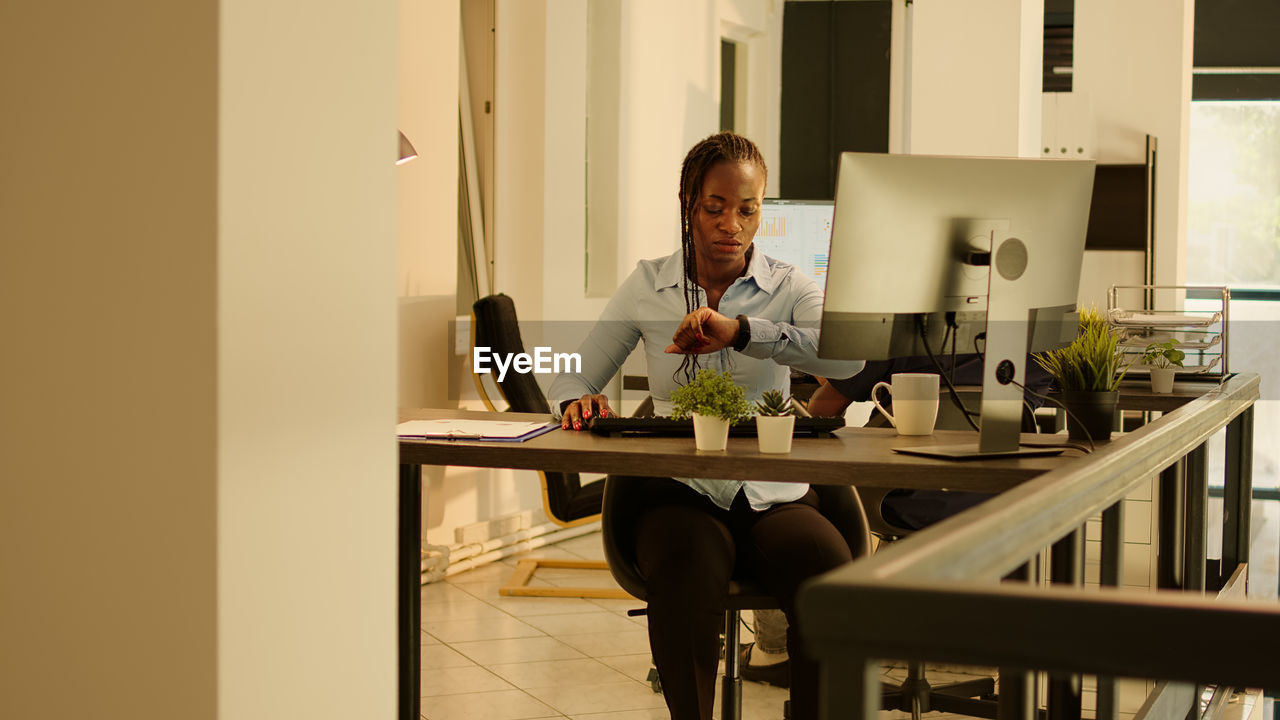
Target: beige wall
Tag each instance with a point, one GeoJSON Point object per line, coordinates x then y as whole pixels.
{"type": "Point", "coordinates": [306, 359]}
{"type": "Point", "coordinates": [196, 504]}
{"type": "Point", "coordinates": [108, 434]}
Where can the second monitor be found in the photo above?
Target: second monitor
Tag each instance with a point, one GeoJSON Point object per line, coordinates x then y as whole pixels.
{"type": "Point", "coordinates": [992, 243]}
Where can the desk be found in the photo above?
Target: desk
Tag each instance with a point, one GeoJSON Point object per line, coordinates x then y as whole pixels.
{"type": "Point", "coordinates": [861, 456]}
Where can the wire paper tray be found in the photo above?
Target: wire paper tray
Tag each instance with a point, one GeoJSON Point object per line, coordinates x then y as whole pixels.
{"type": "Point", "coordinates": [1137, 368]}
{"type": "Point", "coordinates": [1155, 318]}
{"type": "Point", "coordinates": [1181, 340]}
{"type": "Point", "coordinates": [1161, 315]}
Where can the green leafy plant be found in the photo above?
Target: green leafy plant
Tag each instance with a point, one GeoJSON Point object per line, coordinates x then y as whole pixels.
{"type": "Point", "coordinates": [1093, 361]}
{"type": "Point", "coordinates": [772, 404]}
{"type": "Point", "coordinates": [1163, 355]}
{"type": "Point", "coordinates": [711, 393]}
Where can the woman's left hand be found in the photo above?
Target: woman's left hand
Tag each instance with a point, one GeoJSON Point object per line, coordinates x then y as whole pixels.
{"type": "Point", "coordinates": [703, 331]}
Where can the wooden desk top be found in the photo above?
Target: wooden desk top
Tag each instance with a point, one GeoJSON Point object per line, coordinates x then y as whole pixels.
{"type": "Point", "coordinates": [861, 456]}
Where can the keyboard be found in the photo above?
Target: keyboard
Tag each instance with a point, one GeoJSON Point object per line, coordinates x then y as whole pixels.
{"type": "Point", "coordinates": [671, 427]}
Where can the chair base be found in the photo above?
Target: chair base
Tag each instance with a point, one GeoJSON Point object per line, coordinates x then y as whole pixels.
{"type": "Point", "coordinates": [975, 698]}
{"type": "Point", "coordinates": [518, 583]}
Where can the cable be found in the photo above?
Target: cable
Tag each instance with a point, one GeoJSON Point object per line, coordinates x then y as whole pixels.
{"type": "Point", "coordinates": [951, 325]}
{"type": "Point", "coordinates": [955, 396]}
{"type": "Point", "coordinates": [1066, 412]}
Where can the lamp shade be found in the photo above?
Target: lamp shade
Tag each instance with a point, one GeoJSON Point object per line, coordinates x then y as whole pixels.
{"type": "Point", "coordinates": [407, 152]}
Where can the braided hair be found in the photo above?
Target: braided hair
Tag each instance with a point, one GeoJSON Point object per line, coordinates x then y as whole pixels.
{"type": "Point", "coordinates": [718, 148]}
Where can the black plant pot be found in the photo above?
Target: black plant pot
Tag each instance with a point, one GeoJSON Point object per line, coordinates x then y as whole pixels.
{"type": "Point", "coordinates": [1091, 411]}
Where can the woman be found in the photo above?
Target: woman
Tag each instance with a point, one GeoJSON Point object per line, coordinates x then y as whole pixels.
{"type": "Point", "coordinates": [714, 303]}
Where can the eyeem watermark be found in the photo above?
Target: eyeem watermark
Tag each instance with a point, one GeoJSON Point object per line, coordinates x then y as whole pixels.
{"type": "Point", "coordinates": [541, 362]}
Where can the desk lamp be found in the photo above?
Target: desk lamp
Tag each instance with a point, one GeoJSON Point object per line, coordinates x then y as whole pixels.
{"type": "Point", "coordinates": [407, 152]}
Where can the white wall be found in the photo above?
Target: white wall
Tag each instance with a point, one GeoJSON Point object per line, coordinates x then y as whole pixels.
{"type": "Point", "coordinates": [428, 191]}
{"type": "Point", "coordinates": [197, 287]}
{"type": "Point", "coordinates": [975, 77]}
{"type": "Point", "coordinates": [1134, 60]}
{"type": "Point", "coordinates": [667, 90]}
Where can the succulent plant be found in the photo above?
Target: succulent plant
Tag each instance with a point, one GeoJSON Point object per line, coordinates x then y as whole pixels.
{"type": "Point", "coordinates": [772, 404]}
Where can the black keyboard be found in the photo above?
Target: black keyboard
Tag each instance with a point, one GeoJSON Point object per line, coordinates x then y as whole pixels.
{"type": "Point", "coordinates": [671, 427]}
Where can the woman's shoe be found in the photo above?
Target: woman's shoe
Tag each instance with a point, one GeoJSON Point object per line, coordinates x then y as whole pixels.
{"type": "Point", "coordinates": [777, 674]}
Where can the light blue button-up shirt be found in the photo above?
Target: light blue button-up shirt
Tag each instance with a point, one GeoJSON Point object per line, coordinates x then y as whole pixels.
{"type": "Point", "coordinates": [784, 309]}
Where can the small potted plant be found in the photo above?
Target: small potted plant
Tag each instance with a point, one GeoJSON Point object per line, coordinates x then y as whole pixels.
{"type": "Point", "coordinates": [774, 422]}
{"type": "Point", "coordinates": [1088, 372]}
{"type": "Point", "coordinates": [714, 401]}
{"type": "Point", "coordinates": [1162, 360]}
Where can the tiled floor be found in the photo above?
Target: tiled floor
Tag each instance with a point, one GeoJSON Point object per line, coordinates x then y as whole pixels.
{"type": "Point", "coordinates": [489, 657]}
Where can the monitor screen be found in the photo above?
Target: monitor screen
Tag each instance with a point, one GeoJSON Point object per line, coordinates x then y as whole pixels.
{"type": "Point", "coordinates": [797, 232]}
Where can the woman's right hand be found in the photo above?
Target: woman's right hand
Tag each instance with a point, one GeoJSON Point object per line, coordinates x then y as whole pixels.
{"type": "Point", "coordinates": [577, 413]}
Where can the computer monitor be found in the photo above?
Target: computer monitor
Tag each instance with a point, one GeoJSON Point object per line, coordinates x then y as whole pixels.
{"type": "Point", "coordinates": [914, 238]}
{"type": "Point", "coordinates": [797, 232]}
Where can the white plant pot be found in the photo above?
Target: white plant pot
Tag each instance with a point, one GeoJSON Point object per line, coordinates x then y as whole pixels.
{"type": "Point", "coordinates": [710, 432]}
{"type": "Point", "coordinates": [774, 433]}
{"type": "Point", "coordinates": [1162, 379]}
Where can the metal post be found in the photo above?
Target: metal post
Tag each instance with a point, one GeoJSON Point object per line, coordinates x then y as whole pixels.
{"type": "Point", "coordinates": [409, 580]}
{"type": "Point", "coordinates": [1111, 574]}
{"type": "Point", "coordinates": [731, 686]}
{"type": "Point", "coordinates": [1017, 698]}
{"type": "Point", "coordinates": [1169, 528]}
{"type": "Point", "coordinates": [1237, 506]}
{"type": "Point", "coordinates": [1196, 519]}
{"type": "Point", "coordinates": [1066, 567]}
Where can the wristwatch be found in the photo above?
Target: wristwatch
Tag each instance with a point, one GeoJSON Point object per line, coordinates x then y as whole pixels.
{"type": "Point", "coordinates": [744, 334]}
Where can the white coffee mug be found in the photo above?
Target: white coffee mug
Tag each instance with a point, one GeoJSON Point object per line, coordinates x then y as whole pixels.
{"type": "Point", "coordinates": [915, 402]}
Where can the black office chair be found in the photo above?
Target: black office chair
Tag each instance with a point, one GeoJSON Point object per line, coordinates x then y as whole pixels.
{"type": "Point", "coordinates": [566, 499]}
{"type": "Point", "coordinates": [622, 497]}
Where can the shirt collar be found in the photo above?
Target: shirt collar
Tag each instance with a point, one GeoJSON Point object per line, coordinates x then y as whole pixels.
{"type": "Point", "coordinates": [759, 270]}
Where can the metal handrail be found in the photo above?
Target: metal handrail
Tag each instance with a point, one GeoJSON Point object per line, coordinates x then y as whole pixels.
{"type": "Point", "coordinates": [936, 595]}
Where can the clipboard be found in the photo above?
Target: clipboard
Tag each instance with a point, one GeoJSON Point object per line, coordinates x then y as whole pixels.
{"type": "Point", "coordinates": [482, 430]}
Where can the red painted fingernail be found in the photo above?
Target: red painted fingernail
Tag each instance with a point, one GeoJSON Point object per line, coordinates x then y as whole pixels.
{"type": "Point", "coordinates": [577, 425]}
{"type": "Point", "coordinates": [586, 414]}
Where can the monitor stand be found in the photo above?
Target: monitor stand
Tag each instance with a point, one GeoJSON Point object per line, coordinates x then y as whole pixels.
{"type": "Point", "coordinates": [1004, 366]}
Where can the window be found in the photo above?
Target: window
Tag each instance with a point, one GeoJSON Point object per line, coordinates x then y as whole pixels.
{"type": "Point", "coordinates": [1233, 195]}
{"type": "Point", "coordinates": [1233, 239]}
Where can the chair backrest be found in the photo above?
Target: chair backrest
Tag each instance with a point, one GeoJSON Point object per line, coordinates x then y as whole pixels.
{"type": "Point", "coordinates": [497, 328]}
{"type": "Point", "coordinates": [622, 500]}
{"type": "Point", "coordinates": [494, 325]}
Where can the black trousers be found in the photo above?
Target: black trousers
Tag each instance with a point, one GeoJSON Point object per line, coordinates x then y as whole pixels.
{"type": "Point", "coordinates": [688, 549]}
